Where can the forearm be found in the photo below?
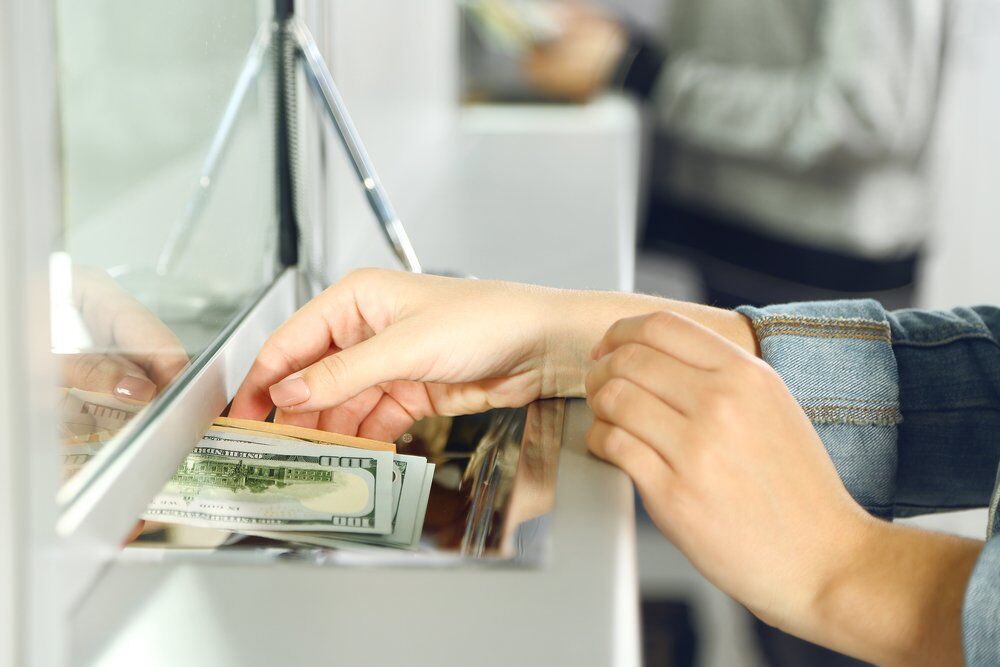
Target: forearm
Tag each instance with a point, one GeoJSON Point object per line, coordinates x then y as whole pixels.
{"type": "Point", "coordinates": [897, 600]}
{"type": "Point", "coordinates": [580, 319]}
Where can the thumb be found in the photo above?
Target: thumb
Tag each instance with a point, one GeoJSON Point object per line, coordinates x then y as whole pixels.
{"type": "Point", "coordinates": [108, 374]}
{"type": "Point", "coordinates": [338, 377]}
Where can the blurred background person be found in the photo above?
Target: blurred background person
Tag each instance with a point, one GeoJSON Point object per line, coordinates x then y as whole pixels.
{"type": "Point", "coordinates": [788, 136]}
{"type": "Point", "coordinates": [787, 153]}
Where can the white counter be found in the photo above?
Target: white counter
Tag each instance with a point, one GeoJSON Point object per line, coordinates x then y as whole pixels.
{"type": "Point", "coordinates": [489, 217]}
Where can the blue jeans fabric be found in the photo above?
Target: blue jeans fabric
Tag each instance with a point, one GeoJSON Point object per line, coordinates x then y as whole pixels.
{"type": "Point", "coordinates": [908, 405]}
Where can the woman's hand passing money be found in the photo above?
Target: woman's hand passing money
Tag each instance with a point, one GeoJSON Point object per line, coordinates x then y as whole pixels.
{"type": "Point", "coordinates": [381, 349]}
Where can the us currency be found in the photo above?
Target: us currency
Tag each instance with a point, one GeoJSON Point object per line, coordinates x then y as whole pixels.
{"type": "Point", "coordinates": [414, 477]}
{"type": "Point", "coordinates": [240, 482]}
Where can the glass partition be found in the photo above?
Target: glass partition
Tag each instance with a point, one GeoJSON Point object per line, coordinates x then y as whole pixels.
{"type": "Point", "coordinates": [170, 214]}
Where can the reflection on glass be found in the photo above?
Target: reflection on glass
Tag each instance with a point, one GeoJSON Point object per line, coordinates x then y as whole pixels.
{"type": "Point", "coordinates": [170, 213]}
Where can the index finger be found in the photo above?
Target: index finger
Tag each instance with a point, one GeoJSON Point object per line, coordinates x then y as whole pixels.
{"type": "Point", "coordinates": [301, 341]}
{"type": "Point", "coordinates": [673, 334]}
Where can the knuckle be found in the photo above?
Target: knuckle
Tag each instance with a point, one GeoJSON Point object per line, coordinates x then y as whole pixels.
{"type": "Point", "coordinates": [718, 405]}
{"type": "Point", "coordinates": [608, 398]}
{"type": "Point", "coordinates": [625, 359]}
{"type": "Point", "coordinates": [614, 330]}
{"type": "Point", "coordinates": [615, 444]}
{"type": "Point", "coordinates": [654, 324]}
{"type": "Point", "coordinates": [101, 370]}
{"type": "Point", "coordinates": [331, 372]}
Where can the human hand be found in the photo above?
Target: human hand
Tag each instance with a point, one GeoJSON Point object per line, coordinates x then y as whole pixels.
{"type": "Point", "coordinates": [728, 466]}
{"type": "Point", "coordinates": [381, 349]}
{"type": "Point", "coordinates": [581, 61]}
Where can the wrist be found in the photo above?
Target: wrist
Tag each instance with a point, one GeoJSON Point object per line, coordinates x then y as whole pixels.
{"type": "Point", "coordinates": [894, 598]}
{"type": "Point", "coordinates": [576, 320]}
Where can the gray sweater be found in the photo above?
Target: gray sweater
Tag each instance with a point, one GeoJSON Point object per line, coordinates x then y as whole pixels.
{"type": "Point", "coordinates": [805, 118]}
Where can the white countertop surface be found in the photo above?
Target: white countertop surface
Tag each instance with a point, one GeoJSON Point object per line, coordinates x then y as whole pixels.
{"type": "Point", "coordinates": [579, 608]}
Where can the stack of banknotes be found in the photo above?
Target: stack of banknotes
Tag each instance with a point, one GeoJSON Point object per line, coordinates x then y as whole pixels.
{"type": "Point", "coordinates": [275, 481]}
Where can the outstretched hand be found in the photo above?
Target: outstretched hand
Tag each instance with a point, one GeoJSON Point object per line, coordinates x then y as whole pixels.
{"type": "Point", "coordinates": [381, 349]}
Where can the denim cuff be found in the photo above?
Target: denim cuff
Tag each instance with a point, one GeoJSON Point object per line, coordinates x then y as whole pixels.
{"type": "Point", "coordinates": [836, 359]}
{"type": "Point", "coordinates": [981, 609]}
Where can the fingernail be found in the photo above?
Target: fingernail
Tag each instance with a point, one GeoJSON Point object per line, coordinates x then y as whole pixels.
{"type": "Point", "coordinates": [135, 389]}
{"type": "Point", "coordinates": [290, 392]}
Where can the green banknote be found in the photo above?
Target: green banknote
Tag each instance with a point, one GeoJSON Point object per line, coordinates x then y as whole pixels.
{"type": "Point", "coordinates": [414, 477]}
{"type": "Point", "coordinates": [240, 482]}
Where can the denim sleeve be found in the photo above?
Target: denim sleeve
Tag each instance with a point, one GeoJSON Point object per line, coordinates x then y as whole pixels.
{"type": "Point", "coordinates": [907, 402]}
{"type": "Point", "coordinates": [908, 405]}
{"type": "Point", "coordinates": [949, 388]}
{"type": "Point", "coordinates": [836, 359]}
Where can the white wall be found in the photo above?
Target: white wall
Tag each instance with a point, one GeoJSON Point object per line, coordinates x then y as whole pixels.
{"type": "Point", "coordinates": [965, 164]}
{"type": "Point", "coordinates": [395, 63]}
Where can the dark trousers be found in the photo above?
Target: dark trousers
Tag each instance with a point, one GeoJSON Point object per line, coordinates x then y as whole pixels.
{"type": "Point", "coordinates": [739, 265]}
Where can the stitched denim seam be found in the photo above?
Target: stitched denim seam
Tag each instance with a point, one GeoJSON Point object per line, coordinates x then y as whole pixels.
{"type": "Point", "coordinates": [853, 415]}
{"type": "Point", "coordinates": [828, 329]}
{"type": "Point", "coordinates": [830, 321]}
{"type": "Point", "coordinates": [819, 334]}
{"type": "Point", "coordinates": [817, 327]}
{"type": "Point", "coordinates": [863, 325]}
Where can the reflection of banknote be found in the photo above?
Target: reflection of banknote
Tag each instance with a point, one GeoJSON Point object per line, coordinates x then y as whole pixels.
{"type": "Point", "coordinates": [255, 482]}
{"type": "Point", "coordinates": [87, 416]}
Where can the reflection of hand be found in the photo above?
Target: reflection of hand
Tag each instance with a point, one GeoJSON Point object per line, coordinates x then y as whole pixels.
{"type": "Point", "coordinates": [138, 355]}
{"type": "Point", "coordinates": [733, 473]}
{"type": "Point", "coordinates": [580, 63]}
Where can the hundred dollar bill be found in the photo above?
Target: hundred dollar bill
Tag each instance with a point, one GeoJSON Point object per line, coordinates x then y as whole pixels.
{"type": "Point", "coordinates": [241, 482]}
{"type": "Point", "coordinates": [415, 476]}
{"type": "Point", "coordinates": [408, 521]}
